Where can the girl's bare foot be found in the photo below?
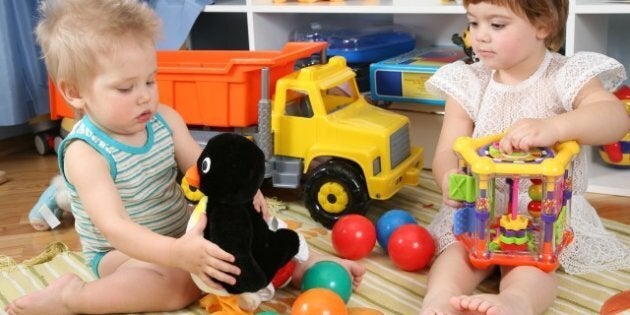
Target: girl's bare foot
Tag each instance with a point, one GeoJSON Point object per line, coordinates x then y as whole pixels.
{"type": "Point", "coordinates": [489, 304]}
{"type": "Point", "coordinates": [356, 270]}
{"type": "Point", "coordinates": [437, 304]}
{"type": "Point", "coordinates": [50, 300]}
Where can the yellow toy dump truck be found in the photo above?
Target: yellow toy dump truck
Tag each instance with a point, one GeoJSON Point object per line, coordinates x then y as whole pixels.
{"type": "Point", "coordinates": [315, 128]}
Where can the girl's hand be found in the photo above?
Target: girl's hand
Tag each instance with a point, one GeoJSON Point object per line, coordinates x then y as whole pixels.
{"type": "Point", "coordinates": [203, 258]}
{"type": "Point", "coordinates": [528, 133]}
{"type": "Point", "coordinates": [260, 203]}
{"type": "Point", "coordinates": [445, 197]}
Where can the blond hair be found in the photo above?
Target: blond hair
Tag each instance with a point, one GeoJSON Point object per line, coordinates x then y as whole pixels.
{"type": "Point", "coordinates": [73, 34]}
{"type": "Point", "coordinates": [548, 14]}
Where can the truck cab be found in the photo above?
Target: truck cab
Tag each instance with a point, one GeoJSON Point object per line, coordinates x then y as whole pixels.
{"type": "Point", "coordinates": [347, 150]}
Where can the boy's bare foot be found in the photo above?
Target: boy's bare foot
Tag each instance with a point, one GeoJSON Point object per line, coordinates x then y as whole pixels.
{"type": "Point", "coordinates": [356, 270]}
{"type": "Point", "coordinates": [49, 300]}
{"type": "Point", "coordinates": [489, 304]}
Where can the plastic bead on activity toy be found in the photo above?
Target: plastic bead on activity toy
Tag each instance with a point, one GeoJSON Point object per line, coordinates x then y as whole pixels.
{"type": "Point", "coordinates": [503, 235]}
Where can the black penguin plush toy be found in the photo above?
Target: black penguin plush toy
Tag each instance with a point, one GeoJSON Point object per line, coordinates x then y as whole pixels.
{"type": "Point", "coordinates": [230, 171]}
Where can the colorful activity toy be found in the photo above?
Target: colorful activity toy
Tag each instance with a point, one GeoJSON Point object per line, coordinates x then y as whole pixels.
{"type": "Point", "coordinates": [494, 234]}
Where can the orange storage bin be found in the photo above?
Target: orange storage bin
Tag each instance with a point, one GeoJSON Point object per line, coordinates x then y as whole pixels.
{"type": "Point", "coordinates": [217, 88]}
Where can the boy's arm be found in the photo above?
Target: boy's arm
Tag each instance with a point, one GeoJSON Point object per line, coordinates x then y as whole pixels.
{"type": "Point", "coordinates": [88, 171]}
{"type": "Point", "coordinates": [187, 150]}
{"type": "Point", "coordinates": [598, 118]}
{"type": "Point", "coordinates": [456, 123]}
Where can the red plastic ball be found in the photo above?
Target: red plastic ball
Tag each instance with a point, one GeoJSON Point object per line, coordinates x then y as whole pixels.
{"type": "Point", "coordinates": [353, 236]}
{"type": "Point", "coordinates": [533, 207]}
{"type": "Point", "coordinates": [318, 301]}
{"type": "Point", "coordinates": [411, 247]}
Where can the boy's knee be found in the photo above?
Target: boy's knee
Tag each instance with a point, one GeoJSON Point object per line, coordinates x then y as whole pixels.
{"type": "Point", "coordinates": [182, 298]}
{"type": "Point", "coordinates": [182, 292]}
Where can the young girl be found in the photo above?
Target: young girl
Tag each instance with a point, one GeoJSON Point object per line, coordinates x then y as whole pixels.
{"type": "Point", "coordinates": [540, 98]}
{"type": "Point", "coordinates": [120, 162]}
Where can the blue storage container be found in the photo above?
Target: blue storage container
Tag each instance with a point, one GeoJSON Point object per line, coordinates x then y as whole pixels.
{"type": "Point", "coordinates": [402, 78]}
{"type": "Point", "coordinates": [359, 44]}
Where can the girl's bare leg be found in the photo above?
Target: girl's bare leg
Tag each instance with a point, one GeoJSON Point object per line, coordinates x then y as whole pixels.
{"type": "Point", "coordinates": [450, 275]}
{"type": "Point", "coordinates": [523, 290]}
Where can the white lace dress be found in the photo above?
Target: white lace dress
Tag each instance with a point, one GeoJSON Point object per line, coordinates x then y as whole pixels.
{"type": "Point", "coordinates": [493, 107]}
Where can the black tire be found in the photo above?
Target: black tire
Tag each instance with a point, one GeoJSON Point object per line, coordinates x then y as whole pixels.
{"type": "Point", "coordinates": [342, 187]}
{"type": "Point", "coordinates": [42, 143]}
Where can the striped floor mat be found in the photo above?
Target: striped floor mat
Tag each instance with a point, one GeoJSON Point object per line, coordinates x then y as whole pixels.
{"type": "Point", "coordinates": [385, 288]}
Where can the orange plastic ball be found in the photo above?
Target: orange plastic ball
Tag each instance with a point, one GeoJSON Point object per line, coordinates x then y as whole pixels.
{"type": "Point", "coordinates": [319, 301]}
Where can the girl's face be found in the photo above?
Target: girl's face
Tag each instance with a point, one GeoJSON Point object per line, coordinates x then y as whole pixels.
{"type": "Point", "coordinates": [123, 95]}
{"type": "Point", "coordinates": [503, 40]}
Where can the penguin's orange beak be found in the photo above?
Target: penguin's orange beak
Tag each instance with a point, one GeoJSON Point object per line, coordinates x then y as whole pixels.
{"type": "Point", "coordinates": [192, 176]}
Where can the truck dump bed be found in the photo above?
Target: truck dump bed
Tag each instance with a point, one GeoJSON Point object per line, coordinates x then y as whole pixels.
{"type": "Point", "coordinates": [215, 88]}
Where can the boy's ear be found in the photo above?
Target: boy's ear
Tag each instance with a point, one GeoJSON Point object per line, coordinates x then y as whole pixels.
{"type": "Point", "coordinates": [70, 93]}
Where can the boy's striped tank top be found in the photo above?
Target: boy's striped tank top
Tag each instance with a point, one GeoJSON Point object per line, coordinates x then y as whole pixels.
{"type": "Point", "coordinates": [145, 177]}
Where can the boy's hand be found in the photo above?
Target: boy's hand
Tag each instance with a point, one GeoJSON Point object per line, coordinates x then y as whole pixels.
{"type": "Point", "coordinates": [527, 133]}
{"type": "Point", "coordinates": [260, 203]}
{"type": "Point", "coordinates": [203, 258]}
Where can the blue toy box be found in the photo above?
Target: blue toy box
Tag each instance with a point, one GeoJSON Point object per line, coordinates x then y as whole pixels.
{"type": "Point", "coordinates": [359, 44]}
{"type": "Point", "coordinates": [401, 78]}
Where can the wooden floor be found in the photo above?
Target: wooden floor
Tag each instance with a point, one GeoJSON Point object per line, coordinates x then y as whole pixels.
{"type": "Point", "coordinates": [29, 174]}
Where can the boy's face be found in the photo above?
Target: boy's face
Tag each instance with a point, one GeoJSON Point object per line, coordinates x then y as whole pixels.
{"type": "Point", "coordinates": [123, 95]}
{"type": "Point", "coordinates": [504, 40]}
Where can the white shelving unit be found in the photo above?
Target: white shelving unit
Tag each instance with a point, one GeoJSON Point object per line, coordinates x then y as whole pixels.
{"type": "Point", "coordinates": [592, 25]}
{"type": "Point", "coordinates": [601, 26]}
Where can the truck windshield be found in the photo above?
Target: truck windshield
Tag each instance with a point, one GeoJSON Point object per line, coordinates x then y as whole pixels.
{"type": "Point", "coordinates": [339, 96]}
{"type": "Point", "coordinates": [298, 104]}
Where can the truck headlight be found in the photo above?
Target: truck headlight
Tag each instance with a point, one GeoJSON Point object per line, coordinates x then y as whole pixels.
{"type": "Point", "coordinates": [376, 166]}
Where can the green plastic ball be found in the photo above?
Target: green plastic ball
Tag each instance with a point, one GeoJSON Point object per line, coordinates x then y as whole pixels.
{"type": "Point", "coordinates": [268, 313]}
{"type": "Point", "coordinates": [328, 275]}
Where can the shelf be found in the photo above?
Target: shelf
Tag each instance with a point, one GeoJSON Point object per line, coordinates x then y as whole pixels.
{"type": "Point", "coordinates": [349, 6]}
{"type": "Point", "coordinates": [227, 6]}
{"type": "Point", "coordinates": [603, 179]}
{"type": "Point", "coordinates": [592, 25]}
{"type": "Point", "coordinates": [601, 7]}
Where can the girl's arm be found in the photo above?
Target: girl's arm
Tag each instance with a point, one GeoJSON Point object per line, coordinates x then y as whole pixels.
{"type": "Point", "coordinates": [599, 118]}
{"type": "Point", "coordinates": [88, 171]}
{"type": "Point", "coordinates": [456, 123]}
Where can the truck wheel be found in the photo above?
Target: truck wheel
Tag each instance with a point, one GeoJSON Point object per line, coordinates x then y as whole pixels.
{"type": "Point", "coordinates": [334, 189]}
{"type": "Point", "coordinates": [44, 143]}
